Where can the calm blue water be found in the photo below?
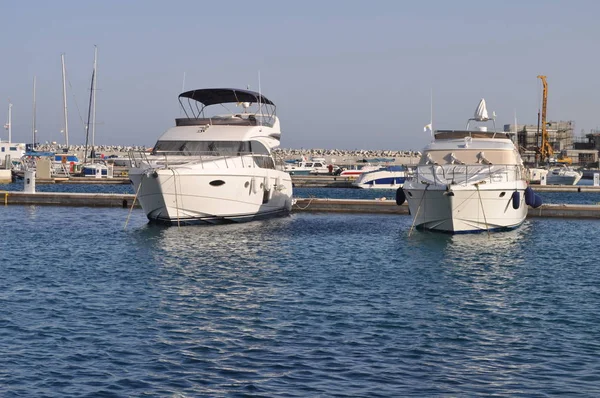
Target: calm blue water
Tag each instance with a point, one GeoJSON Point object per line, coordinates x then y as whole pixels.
{"type": "Point", "coordinates": [306, 305]}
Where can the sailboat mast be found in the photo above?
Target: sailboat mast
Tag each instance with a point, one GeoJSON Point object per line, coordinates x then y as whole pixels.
{"type": "Point", "coordinates": [33, 126]}
{"type": "Point", "coordinates": [94, 80]}
{"type": "Point", "coordinates": [9, 122]}
{"type": "Point", "coordinates": [87, 126]}
{"type": "Point", "coordinates": [62, 58]}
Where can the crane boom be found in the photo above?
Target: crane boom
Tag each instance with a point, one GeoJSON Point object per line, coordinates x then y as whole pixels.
{"type": "Point", "coordinates": [545, 148]}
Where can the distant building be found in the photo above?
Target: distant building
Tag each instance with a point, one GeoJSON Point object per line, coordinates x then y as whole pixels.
{"type": "Point", "coordinates": [562, 139]}
{"type": "Point", "coordinates": [560, 135]}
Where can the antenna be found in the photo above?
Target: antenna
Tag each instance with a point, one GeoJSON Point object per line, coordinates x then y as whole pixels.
{"type": "Point", "coordinates": [9, 124]}
{"type": "Point", "coordinates": [33, 129]}
{"type": "Point", "coordinates": [94, 82]}
{"type": "Point", "coordinates": [64, 72]}
{"type": "Point", "coordinates": [431, 111]}
{"type": "Point", "coordinates": [259, 101]}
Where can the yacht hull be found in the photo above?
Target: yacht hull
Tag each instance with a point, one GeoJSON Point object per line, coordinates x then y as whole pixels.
{"type": "Point", "coordinates": [464, 209]}
{"type": "Point", "coordinates": [563, 179]}
{"type": "Point", "coordinates": [186, 196]}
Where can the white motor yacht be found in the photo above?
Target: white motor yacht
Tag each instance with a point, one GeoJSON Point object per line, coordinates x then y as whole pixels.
{"type": "Point", "coordinates": [214, 169]}
{"type": "Point", "coordinates": [468, 181]}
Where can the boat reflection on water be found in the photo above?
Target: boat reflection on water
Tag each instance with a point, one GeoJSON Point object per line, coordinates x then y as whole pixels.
{"type": "Point", "coordinates": [218, 250]}
{"type": "Point", "coordinates": [498, 249]}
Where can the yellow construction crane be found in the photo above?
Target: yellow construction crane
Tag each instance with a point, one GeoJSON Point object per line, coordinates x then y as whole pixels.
{"type": "Point", "coordinates": [545, 148]}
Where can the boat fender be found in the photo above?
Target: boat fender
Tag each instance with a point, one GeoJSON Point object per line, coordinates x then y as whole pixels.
{"type": "Point", "coordinates": [528, 196]}
{"type": "Point", "coordinates": [532, 199]}
{"type": "Point", "coordinates": [267, 183]}
{"type": "Point", "coordinates": [516, 200]}
{"type": "Point", "coordinates": [400, 197]}
{"type": "Point", "coordinates": [278, 184]}
{"type": "Point", "coordinates": [254, 185]}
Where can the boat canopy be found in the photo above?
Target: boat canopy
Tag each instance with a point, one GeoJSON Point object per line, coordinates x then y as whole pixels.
{"type": "Point", "coordinates": [194, 102]}
{"type": "Point", "coordinates": [211, 96]}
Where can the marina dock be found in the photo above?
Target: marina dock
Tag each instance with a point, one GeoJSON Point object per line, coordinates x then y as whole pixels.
{"type": "Point", "coordinates": [312, 205]}
{"type": "Point", "coordinates": [390, 207]}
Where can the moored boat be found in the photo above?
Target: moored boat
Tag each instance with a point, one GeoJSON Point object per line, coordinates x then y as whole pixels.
{"type": "Point", "coordinates": [315, 166]}
{"type": "Point", "coordinates": [389, 177]}
{"type": "Point", "coordinates": [563, 175]}
{"type": "Point", "coordinates": [469, 181]}
{"type": "Point", "coordinates": [214, 168]}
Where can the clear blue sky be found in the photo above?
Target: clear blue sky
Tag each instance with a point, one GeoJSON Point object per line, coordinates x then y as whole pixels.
{"type": "Point", "coordinates": [344, 74]}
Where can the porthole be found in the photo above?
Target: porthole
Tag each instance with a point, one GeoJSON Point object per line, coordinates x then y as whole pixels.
{"type": "Point", "coordinates": [217, 183]}
{"type": "Point", "coordinates": [502, 194]}
{"type": "Point", "coordinates": [247, 184]}
{"type": "Point", "coordinates": [409, 194]}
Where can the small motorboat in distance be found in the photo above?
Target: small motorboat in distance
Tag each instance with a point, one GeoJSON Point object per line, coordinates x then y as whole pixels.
{"type": "Point", "coordinates": [389, 177]}
{"type": "Point", "coordinates": [563, 175]}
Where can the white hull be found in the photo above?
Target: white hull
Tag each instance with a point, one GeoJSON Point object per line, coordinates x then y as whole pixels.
{"type": "Point", "coordinates": [465, 208]}
{"type": "Point", "coordinates": [381, 179]}
{"type": "Point", "coordinates": [568, 178]}
{"type": "Point", "coordinates": [185, 194]}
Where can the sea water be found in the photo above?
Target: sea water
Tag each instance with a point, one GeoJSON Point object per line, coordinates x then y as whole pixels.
{"type": "Point", "coordinates": [97, 302]}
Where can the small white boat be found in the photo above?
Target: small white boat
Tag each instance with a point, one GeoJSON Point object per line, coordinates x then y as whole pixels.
{"type": "Point", "coordinates": [389, 177]}
{"type": "Point", "coordinates": [354, 171]}
{"type": "Point", "coordinates": [308, 167]}
{"type": "Point", "coordinates": [12, 152]}
{"type": "Point", "coordinates": [563, 175]}
{"type": "Point", "coordinates": [95, 170]}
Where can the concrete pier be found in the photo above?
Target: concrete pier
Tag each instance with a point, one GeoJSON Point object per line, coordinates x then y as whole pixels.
{"type": "Point", "coordinates": [322, 181]}
{"type": "Point", "coordinates": [83, 180]}
{"type": "Point", "coordinates": [389, 207]}
{"type": "Point", "coordinates": [67, 199]}
{"type": "Point", "coordinates": [313, 205]}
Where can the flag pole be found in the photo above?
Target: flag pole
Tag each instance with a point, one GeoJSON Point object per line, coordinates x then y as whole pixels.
{"type": "Point", "coordinates": [431, 110]}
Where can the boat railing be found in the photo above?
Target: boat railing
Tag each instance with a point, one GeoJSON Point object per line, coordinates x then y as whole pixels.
{"type": "Point", "coordinates": [166, 159]}
{"type": "Point", "coordinates": [279, 161]}
{"type": "Point", "coordinates": [460, 174]}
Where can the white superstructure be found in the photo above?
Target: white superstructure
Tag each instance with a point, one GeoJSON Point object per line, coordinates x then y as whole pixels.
{"type": "Point", "coordinates": [215, 169]}
{"type": "Point", "coordinates": [469, 180]}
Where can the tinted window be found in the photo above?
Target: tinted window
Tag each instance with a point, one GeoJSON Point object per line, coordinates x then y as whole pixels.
{"type": "Point", "coordinates": [203, 147]}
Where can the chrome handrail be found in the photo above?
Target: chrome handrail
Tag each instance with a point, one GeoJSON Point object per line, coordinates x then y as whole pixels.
{"type": "Point", "coordinates": [166, 159]}
{"type": "Point", "coordinates": [452, 174]}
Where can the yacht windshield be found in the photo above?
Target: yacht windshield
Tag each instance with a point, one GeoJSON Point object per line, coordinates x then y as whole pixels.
{"type": "Point", "coordinates": [217, 148]}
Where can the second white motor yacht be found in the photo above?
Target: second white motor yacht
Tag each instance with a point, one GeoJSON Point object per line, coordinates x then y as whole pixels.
{"type": "Point", "coordinates": [469, 181]}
